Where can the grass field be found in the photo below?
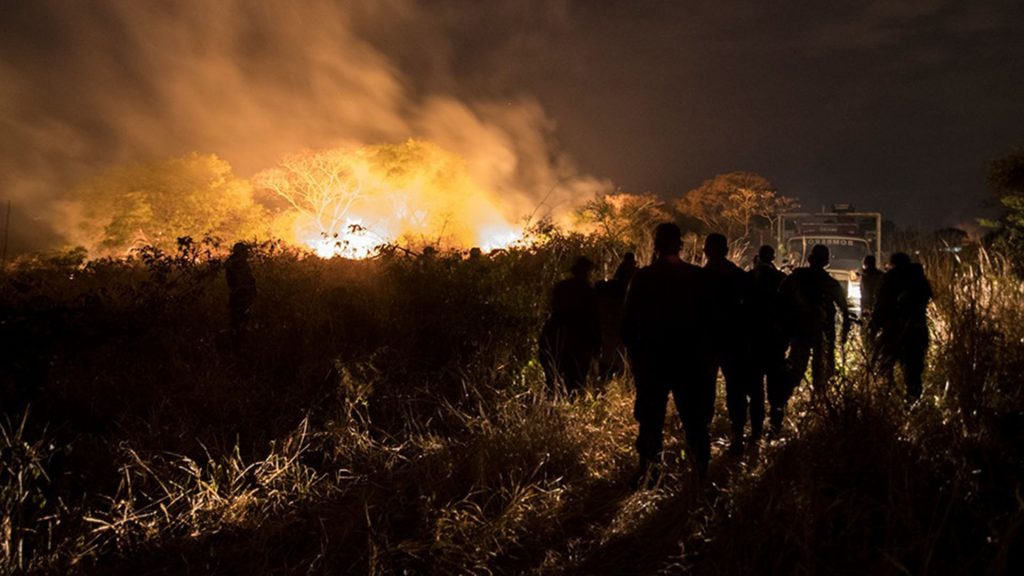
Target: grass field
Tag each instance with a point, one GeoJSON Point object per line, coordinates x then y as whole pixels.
{"type": "Point", "coordinates": [388, 416]}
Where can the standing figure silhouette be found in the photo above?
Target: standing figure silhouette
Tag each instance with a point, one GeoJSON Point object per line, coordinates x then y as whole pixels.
{"type": "Point", "coordinates": [728, 338]}
{"type": "Point", "coordinates": [901, 321]}
{"type": "Point", "coordinates": [571, 336]}
{"type": "Point", "coordinates": [768, 342]}
{"type": "Point", "coordinates": [241, 290]}
{"type": "Point", "coordinates": [663, 332]}
{"type": "Point", "coordinates": [811, 299]}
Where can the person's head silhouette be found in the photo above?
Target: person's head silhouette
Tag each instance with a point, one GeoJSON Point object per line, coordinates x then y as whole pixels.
{"type": "Point", "coordinates": [899, 260]}
{"type": "Point", "coordinates": [668, 239]}
{"type": "Point", "coordinates": [240, 250]}
{"type": "Point", "coordinates": [819, 256]}
{"type": "Point", "coordinates": [581, 267]}
{"type": "Point", "coordinates": [716, 246]}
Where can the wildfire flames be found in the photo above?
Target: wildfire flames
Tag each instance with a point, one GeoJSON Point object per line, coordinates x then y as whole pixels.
{"type": "Point", "coordinates": [349, 202]}
{"type": "Point", "coordinates": [208, 95]}
{"type": "Point", "coordinates": [344, 201]}
{"type": "Point", "coordinates": [357, 241]}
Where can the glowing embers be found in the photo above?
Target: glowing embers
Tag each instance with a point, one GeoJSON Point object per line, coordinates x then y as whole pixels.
{"type": "Point", "coordinates": [357, 240]}
{"type": "Point", "coordinates": [347, 202]}
{"type": "Point", "coordinates": [353, 240]}
{"type": "Point", "coordinates": [498, 237]}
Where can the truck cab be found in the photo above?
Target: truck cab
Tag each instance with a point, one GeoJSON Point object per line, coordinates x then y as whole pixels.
{"type": "Point", "coordinates": [849, 235]}
{"type": "Point", "coordinates": [847, 253]}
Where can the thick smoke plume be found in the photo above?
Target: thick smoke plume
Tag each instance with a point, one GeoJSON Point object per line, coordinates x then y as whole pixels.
{"type": "Point", "coordinates": [88, 85]}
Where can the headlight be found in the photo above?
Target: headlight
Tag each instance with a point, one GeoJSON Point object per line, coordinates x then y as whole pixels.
{"type": "Point", "coordinates": [853, 290]}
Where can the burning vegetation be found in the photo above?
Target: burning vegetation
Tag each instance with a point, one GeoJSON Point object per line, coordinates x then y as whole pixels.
{"type": "Point", "coordinates": [389, 414]}
{"type": "Point", "coordinates": [349, 202]}
{"type": "Point", "coordinates": [335, 202]}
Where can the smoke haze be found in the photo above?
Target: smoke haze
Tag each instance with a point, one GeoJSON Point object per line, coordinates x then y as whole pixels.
{"type": "Point", "coordinates": [894, 106]}
{"type": "Point", "coordinates": [85, 86]}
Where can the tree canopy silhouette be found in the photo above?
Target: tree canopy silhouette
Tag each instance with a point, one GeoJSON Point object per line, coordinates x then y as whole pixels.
{"type": "Point", "coordinates": [732, 203]}
{"type": "Point", "coordinates": [1006, 181]}
{"type": "Point", "coordinates": [155, 203]}
{"type": "Point", "coordinates": [625, 219]}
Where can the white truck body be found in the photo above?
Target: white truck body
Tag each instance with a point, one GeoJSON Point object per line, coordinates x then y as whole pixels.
{"type": "Point", "coordinates": [849, 235]}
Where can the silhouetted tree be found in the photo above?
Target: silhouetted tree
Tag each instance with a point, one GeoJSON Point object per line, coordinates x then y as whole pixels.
{"type": "Point", "coordinates": [732, 203]}
{"type": "Point", "coordinates": [155, 203]}
{"type": "Point", "coordinates": [1006, 174]}
{"type": "Point", "coordinates": [414, 191]}
{"type": "Point", "coordinates": [1006, 181]}
{"type": "Point", "coordinates": [319, 185]}
{"type": "Point", "coordinates": [624, 220]}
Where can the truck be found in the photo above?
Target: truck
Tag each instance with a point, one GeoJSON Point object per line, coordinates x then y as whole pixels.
{"type": "Point", "coordinates": [849, 235]}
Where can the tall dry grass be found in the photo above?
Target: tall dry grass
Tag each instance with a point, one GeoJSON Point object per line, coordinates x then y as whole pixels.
{"type": "Point", "coordinates": [871, 485]}
{"type": "Point", "coordinates": [389, 417]}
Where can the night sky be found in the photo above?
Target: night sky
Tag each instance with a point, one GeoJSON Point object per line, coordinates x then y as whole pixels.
{"type": "Point", "coordinates": [892, 106]}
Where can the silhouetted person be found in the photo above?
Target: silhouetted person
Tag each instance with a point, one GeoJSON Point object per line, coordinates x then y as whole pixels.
{"type": "Point", "coordinates": [627, 269]}
{"type": "Point", "coordinates": [611, 296]}
{"type": "Point", "coordinates": [662, 330]}
{"type": "Point", "coordinates": [727, 335]}
{"type": "Point", "coordinates": [428, 259]}
{"type": "Point", "coordinates": [901, 322]}
{"type": "Point", "coordinates": [476, 264]}
{"type": "Point", "coordinates": [571, 336]}
{"type": "Point", "coordinates": [870, 282]}
{"type": "Point", "coordinates": [611, 299]}
{"type": "Point", "coordinates": [768, 341]}
{"type": "Point", "coordinates": [241, 290]}
{"type": "Point", "coordinates": [812, 298]}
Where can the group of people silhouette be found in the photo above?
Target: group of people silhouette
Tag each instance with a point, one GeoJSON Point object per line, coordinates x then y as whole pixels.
{"type": "Point", "coordinates": [677, 326]}
{"type": "Point", "coordinates": [681, 324]}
